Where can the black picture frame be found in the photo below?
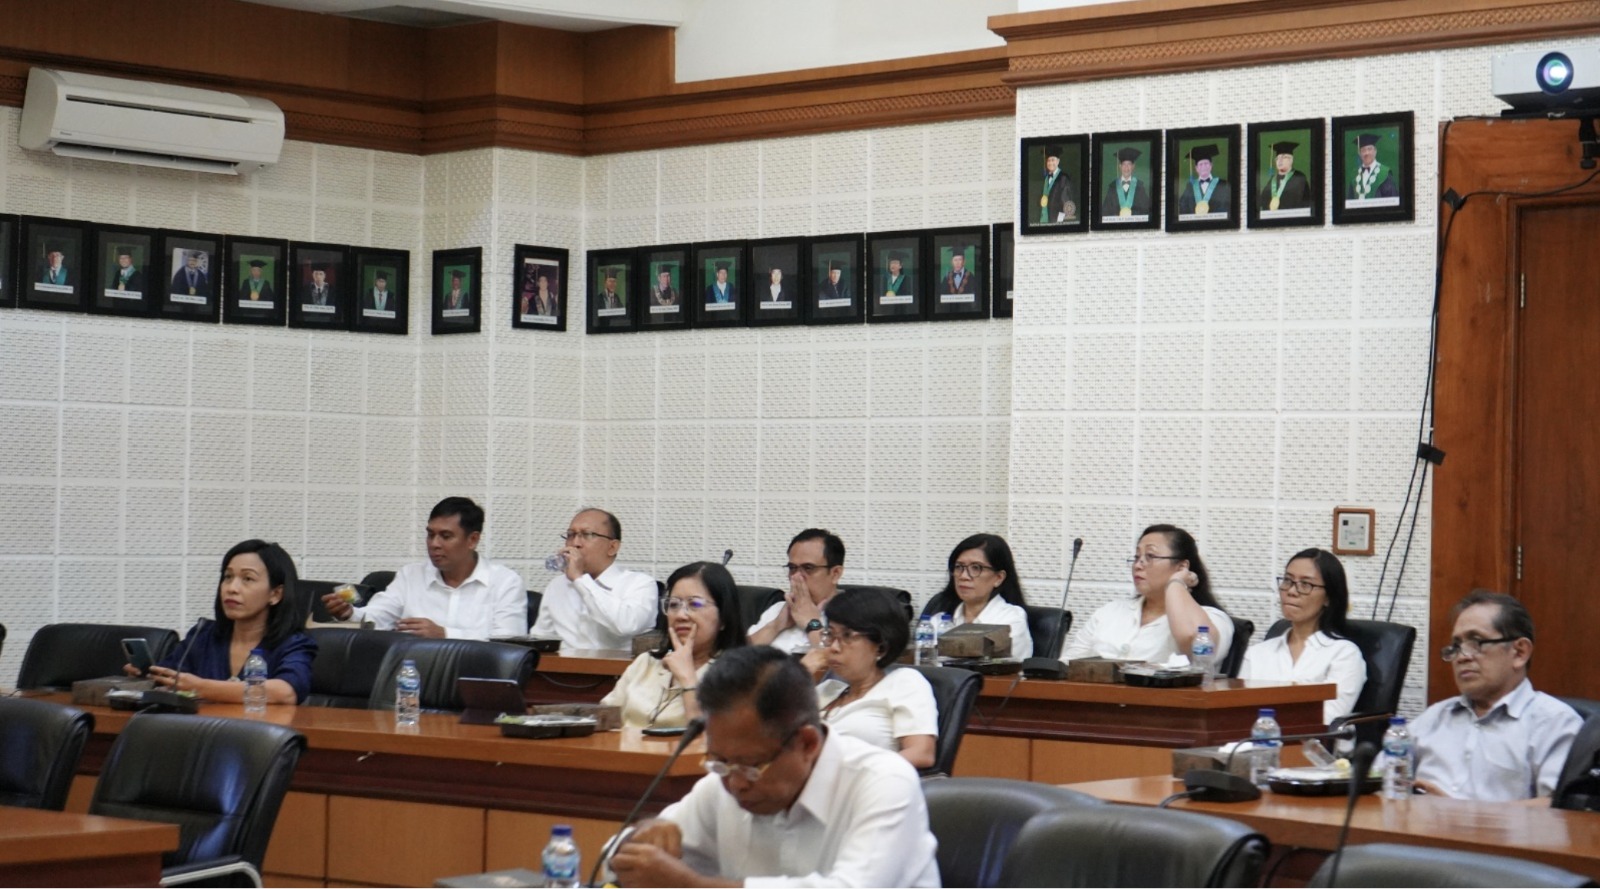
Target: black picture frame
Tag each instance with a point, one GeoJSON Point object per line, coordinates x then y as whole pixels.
{"type": "Point", "coordinates": [52, 257]}
{"type": "Point", "coordinates": [184, 298]}
{"type": "Point", "coordinates": [834, 264]}
{"type": "Point", "coordinates": [323, 304]}
{"type": "Point", "coordinates": [123, 288]}
{"type": "Point", "coordinates": [764, 306]}
{"type": "Point", "coordinates": [903, 297]}
{"type": "Point", "coordinates": [1387, 195]}
{"type": "Point", "coordinates": [1209, 155]}
{"type": "Point", "coordinates": [1003, 241]}
{"type": "Point", "coordinates": [610, 306]}
{"type": "Point", "coordinates": [247, 299]}
{"type": "Point", "coordinates": [958, 293]}
{"type": "Point", "coordinates": [392, 312]}
{"type": "Point", "coordinates": [9, 223]}
{"type": "Point", "coordinates": [457, 290]}
{"type": "Point", "coordinates": [1062, 208]}
{"type": "Point", "coordinates": [660, 301]}
{"type": "Point", "coordinates": [727, 309]}
{"type": "Point", "coordinates": [1143, 198]}
{"type": "Point", "coordinates": [533, 268]}
{"type": "Point", "coordinates": [1300, 204]}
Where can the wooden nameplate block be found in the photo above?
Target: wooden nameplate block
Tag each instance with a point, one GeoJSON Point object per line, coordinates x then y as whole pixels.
{"type": "Point", "coordinates": [976, 640]}
{"type": "Point", "coordinates": [647, 642]}
{"type": "Point", "coordinates": [607, 717]}
{"type": "Point", "coordinates": [1096, 669]}
{"type": "Point", "coordinates": [92, 692]}
{"type": "Point", "coordinates": [1209, 758]}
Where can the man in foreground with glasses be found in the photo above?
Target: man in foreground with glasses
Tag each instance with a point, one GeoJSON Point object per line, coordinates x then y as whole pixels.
{"type": "Point", "coordinates": [1500, 740]}
{"type": "Point", "coordinates": [594, 603]}
{"type": "Point", "coordinates": [786, 803]}
{"type": "Point", "coordinates": [816, 562]}
{"type": "Point", "coordinates": [456, 594]}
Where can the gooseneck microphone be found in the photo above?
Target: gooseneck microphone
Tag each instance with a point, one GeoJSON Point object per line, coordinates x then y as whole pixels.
{"type": "Point", "coordinates": [164, 701]}
{"type": "Point", "coordinates": [1360, 765]}
{"type": "Point", "coordinates": [727, 556]}
{"type": "Point", "coordinates": [1223, 786]}
{"type": "Point", "coordinates": [693, 730]}
{"type": "Point", "coordinates": [1047, 664]}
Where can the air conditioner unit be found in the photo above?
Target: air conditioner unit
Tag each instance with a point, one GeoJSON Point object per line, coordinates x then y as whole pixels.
{"type": "Point", "coordinates": [155, 124]}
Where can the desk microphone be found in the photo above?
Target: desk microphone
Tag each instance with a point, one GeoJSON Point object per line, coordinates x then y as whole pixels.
{"type": "Point", "coordinates": [1360, 765]}
{"type": "Point", "coordinates": [727, 556]}
{"type": "Point", "coordinates": [160, 700]}
{"type": "Point", "coordinates": [1223, 786]}
{"type": "Point", "coordinates": [693, 730]}
{"type": "Point", "coordinates": [1048, 665]}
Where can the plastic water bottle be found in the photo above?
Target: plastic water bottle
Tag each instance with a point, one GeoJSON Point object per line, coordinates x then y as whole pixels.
{"type": "Point", "coordinates": [1264, 745]}
{"type": "Point", "coordinates": [1203, 652]}
{"type": "Point", "coordinates": [555, 564]}
{"type": "Point", "coordinates": [561, 857]}
{"type": "Point", "coordinates": [942, 622]}
{"type": "Point", "coordinates": [255, 683]}
{"type": "Point", "coordinates": [407, 694]}
{"type": "Point", "coordinates": [1399, 760]}
{"type": "Point", "coordinates": [927, 643]}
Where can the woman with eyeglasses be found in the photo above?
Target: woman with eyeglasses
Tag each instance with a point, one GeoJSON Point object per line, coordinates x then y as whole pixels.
{"type": "Point", "coordinates": [702, 621]}
{"type": "Point", "coordinates": [983, 589]}
{"type": "Point", "coordinates": [866, 632]}
{"type": "Point", "coordinates": [1173, 602]}
{"type": "Point", "coordinates": [1314, 597]}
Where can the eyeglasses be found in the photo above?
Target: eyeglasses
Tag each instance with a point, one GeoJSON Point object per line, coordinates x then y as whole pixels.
{"type": "Point", "coordinates": [751, 774]}
{"type": "Point", "coordinates": [1300, 587]}
{"type": "Point", "coordinates": [844, 635]}
{"type": "Point", "coordinates": [807, 568]}
{"type": "Point", "coordinates": [585, 536]}
{"type": "Point", "coordinates": [1470, 647]}
{"type": "Point", "coordinates": [693, 606]}
{"type": "Point", "coordinates": [969, 569]}
{"type": "Point", "coordinates": [1147, 558]}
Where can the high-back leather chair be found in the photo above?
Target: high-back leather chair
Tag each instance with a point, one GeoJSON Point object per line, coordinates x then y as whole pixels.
{"type": "Point", "coordinates": [1049, 626]}
{"type": "Point", "coordinates": [1386, 647]}
{"type": "Point", "coordinates": [902, 596]}
{"type": "Point", "coordinates": [346, 667]}
{"type": "Point", "coordinates": [312, 591]}
{"type": "Point", "coordinates": [977, 819]}
{"type": "Point", "coordinates": [1116, 845]}
{"type": "Point", "coordinates": [220, 780]}
{"type": "Point", "coordinates": [40, 744]}
{"type": "Point", "coordinates": [2, 637]}
{"type": "Point", "coordinates": [755, 600]}
{"type": "Point", "coordinates": [378, 581]}
{"type": "Point", "coordinates": [1242, 631]}
{"type": "Point", "coordinates": [442, 661]}
{"type": "Point", "coordinates": [954, 692]}
{"type": "Point", "coordinates": [61, 654]}
{"type": "Point", "coordinates": [1586, 708]}
{"type": "Point", "coordinates": [535, 599]}
{"type": "Point", "coordinates": [1579, 786]}
{"type": "Point", "coordinates": [1389, 864]}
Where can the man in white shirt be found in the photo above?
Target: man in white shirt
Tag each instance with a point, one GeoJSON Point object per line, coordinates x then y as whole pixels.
{"type": "Point", "coordinates": [816, 562]}
{"type": "Point", "coordinates": [1500, 740]}
{"type": "Point", "coordinates": [596, 603]}
{"type": "Point", "coordinates": [787, 803]}
{"type": "Point", "coordinates": [456, 594]}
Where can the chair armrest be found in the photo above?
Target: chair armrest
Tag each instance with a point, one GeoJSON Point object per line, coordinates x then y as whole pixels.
{"type": "Point", "coordinates": [210, 870]}
{"type": "Point", "coordinates": [1359, 719]}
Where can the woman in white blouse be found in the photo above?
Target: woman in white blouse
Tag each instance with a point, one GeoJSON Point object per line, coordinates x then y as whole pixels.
{"type": "Point", "coordinates": [1314, 597]}
{"type": "Point", "coordinates": [983, 589]}
{"type": "Point", "coordinates": [894, 709]}
{"type": "Point", "coordinates": [702, 620]}
{"type": "Point", "coordinates": [1174, 601]}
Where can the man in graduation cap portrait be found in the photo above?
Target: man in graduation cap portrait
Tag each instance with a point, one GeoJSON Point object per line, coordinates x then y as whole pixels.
{"type": "Point", "coordinates": [255, 287]}
{"type": "Point", "coordinates": [1287, 188]}
{"type": "Point", "coordinates": [610, 297]}
{"type": "Point", "coordinates": [54, 270]}
{"type": "Point", "coordinates": [895, 280]}
{"type": "Point", "coordinates": [191, 277]}
{"type": "Point", "coordinates": [1372, 179]}
{"type": "Point", "coordinates": [958, 279]}
{"type": "Point", "coordinates": [1206, 191]}
{"type": "Point", "coordinates": [1126, 195]}
{"type": "Point", "coordinates": [662, 293]}
{"type": "Point", "coordinates": [318, 293]}
{"type": "Point", "coordinates": [127, 277]}
{"type": "Point", "coordinates": [835, 286]}
{"type": "Point", "coordinates": [720, 290]}
{"type": "Point", "coordinates": [1056, 204]}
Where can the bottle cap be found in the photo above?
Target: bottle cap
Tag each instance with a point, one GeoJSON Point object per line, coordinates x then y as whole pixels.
{"type": "Point", "coordinates": [1268, 713]}
{"type": "Point", "coordinates": [259, 651]}
{"type": "Point", "coordinates": [561, 830]}
{"type": "Point", "coordinates": [1204, 628]}
{"type": "Point", "coordinates": [1397, 720]}
{"type": "Point", "coordinates": [408, 662]}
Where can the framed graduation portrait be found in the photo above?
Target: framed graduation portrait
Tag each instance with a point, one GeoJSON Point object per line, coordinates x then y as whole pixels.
{"type": "Point", "coordinates": [719, 285]}
{"type": "Point", "coordinates": [123, 263]}
{"type": "Point", "coordinates": [1127, 181]}
{"type": "Point", "coordinates": [539, 297]}
{"type": "Point", "coordinates": [190, 272]}
{"type": "Point", "coordinates": [610, 274]}
{"type": "Point", "coordinates": [382, 301]}
{"type": "Point", "coordinates": [1372, 164]}
{"type": "Point", "coordinates": [1286, 173]}
{"type": "Point", "coordinates": [662, 290]}
{"type": "Point", "coordinates": [52, 265]}
{"type": "Point", "coordinates": [777, 282]}
{"type": "Point", "coordinates": [457, 290]}
{"type": "Point", "coordinates": [8, 261]}
{"type": "Point", "coordinates": [254, 276]}
{"type": "Point", "coordinates": [1004, 246]}
{"type": "Point", "coordinates": [1202, 179]}
{"type": "Point", "coordinates": [1055, 171]}
{"type": "Point", "coordinates": [897, 285]}
{"type": "Point", "coordinates": [959, 260]}
{"type": "Point", "coordinates": [834, 262]}
{"type": "Point", "coordinates": [319, 286]}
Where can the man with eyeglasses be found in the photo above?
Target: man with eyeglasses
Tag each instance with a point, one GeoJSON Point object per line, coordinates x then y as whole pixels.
{"type": "Point", "coordinates": [595, 603]}
{"type": "Point", "coordinates": [816, 562]}
{"type": "Point", "coordinates": [786, 803]}
{"type": "Point", "coordinates": [456, 594]}
{"type": "Point", "coordinates": [1500, 740]}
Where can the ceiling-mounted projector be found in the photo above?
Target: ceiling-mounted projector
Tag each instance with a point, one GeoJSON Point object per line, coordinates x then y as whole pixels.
{"type": "Point", "coordinates": [1550, 82]}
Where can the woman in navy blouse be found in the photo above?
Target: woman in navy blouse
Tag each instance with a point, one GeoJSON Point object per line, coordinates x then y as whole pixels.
{"type": "Point", "coordinates": [257, 606]}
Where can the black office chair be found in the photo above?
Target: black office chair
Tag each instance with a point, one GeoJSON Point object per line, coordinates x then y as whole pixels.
{"type": "Point", "coordinates": [378, 581]}
{"type": "Point", "coordinates": [1391, 864]}
{"type": "Point", "coordinates": [314, 590]}
{"type": "Point", "coordinates": [1579, 786]}
{"type": "Point", "coordinates": [61, 654]}
{"type": "Point", "coordinates": [755, 600]}
{"type": "Point", "coordinates": [1386, 647]}
{"type": "Point", "coordinates": [40, 744]}
{"type": "Point", "coordinates": [220, 780]}
{"type": "Point", "coordinates": [1586, 708]}
{"type": "Point", "coordinates": [534, 601]}
{"type": "Point", "coordinates": [442, 661]}
{"type": "Point", "coordinates": [954, 692]}
{"type": "Point", "coordinates": [976, 820]}
{"type": "Point", "coordinates": [902, 595]}
{"type": "Point", "coordinates": [346, 667]}
{"type": "Point", "coordinates": [1114, 845]}
{"type": "Point", "coordinates": [2, 637]}
{"type": "Point", "coordinates": [1049, 626]}
{"type": "Point", "coordinates": [1242, 631]}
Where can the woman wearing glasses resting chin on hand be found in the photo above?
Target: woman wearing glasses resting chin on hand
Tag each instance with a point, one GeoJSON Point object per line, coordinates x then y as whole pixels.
{"type": "Point", "coordinates": [1174, 600]}
{"type": "Point", "coordinates": [895, 710]}
{"type": "Point", "coordinates": [702, 621]}
{"type": "Point", "coordinates": [983, 589]}
{"type": "Point", "coordinates": [1314, 597]}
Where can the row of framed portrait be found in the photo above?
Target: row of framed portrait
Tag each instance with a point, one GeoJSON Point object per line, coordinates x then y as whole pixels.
{"type": "Point", "coordinates": [1191, 178]}
{"type": "Point", "coordinates": [886, 277]}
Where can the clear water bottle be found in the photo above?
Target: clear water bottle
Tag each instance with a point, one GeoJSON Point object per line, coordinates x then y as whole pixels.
{"type": "Point", "coordinates": [1203, 653]}
{"type": "Point", "coordinates": [927, 643]}
{"type": "Point", "coordinates": [1264, 745]}
{"type": "Point", "coordinates": [561, 857]}
{"type": "Point", "coordinates": [255, 683]}
{"type": "Point", "coordinates": [1399, 760]}
{"type": "Point", "coordinates": [407, 694]}
{"type": "Point", "coordinates": [942, 622]}
{"type": "Point", "coordinates": [556, 563]}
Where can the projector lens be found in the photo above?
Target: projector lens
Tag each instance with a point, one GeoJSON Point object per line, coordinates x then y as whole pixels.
{"type": "Point", "coordinates": [1555, 73]}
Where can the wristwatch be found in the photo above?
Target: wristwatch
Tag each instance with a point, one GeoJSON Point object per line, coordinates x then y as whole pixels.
{"type": "Point", "coordinates": [813, 626]}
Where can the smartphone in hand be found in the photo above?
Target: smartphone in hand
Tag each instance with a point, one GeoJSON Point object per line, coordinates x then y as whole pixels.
{"type": "Point", "coordinates": [137, 651]}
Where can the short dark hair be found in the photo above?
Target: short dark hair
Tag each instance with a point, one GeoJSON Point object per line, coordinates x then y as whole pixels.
{"type": "Point", "coordinates": [998, 552]}
{"type": "Point", "coordinates": [768, 679]}
{"type": "Point", "coordinates": [719, 583]}
{"type": "Point", "coordinates": [875, 614]}
{"type": "Point", "coordinates": [616, 526]}
{"type": "Point", "coordinates": [832, 546]}
{"type": "Point", "coordinates": [1513, 621]}
{"type": "Point", "coordinates": [283, 619]}
{"type": "Point", "coordinates": [468, 513]}
{"type": "Point", "coordinates": [1185, 549]}
{"type": "Point", "coordinates": [1334, 620]}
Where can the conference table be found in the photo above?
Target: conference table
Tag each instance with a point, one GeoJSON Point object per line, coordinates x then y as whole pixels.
{"type": "Point", "coordinates": [45, 848]}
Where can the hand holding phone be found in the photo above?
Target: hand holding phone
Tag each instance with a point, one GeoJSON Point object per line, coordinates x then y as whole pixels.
{"type": "Point", "coordinates": [137, 651]}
